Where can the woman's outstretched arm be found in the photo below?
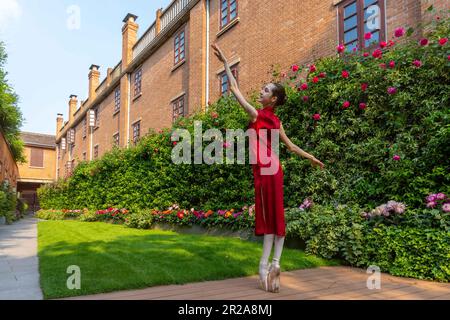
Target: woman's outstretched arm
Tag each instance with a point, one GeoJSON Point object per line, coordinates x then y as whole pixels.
{"type": "Point", "coordinates": [251, 111]}
{"type": "Point", "coordinates": [293, 148]}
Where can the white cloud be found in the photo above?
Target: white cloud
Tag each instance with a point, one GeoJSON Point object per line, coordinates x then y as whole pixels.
{"type": "Point", "coordinates": [10, 11]}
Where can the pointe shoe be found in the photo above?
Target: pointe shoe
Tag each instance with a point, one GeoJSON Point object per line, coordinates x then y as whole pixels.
{"type": "Point", "coordinates": [273, 279]}
{"type": "Point", "coordinates": [264, 283]}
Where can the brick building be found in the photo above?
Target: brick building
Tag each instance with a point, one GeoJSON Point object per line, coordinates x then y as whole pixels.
{"type": "Point", "coordinates": [8, 167]}
{"type": "Point", "coordinates": [39, 167]}
{"type": "Point", "coordinates": [170, 71]}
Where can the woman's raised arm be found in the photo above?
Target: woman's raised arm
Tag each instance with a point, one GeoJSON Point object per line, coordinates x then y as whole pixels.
{"type": "Point", "coordinates": [251, 111]}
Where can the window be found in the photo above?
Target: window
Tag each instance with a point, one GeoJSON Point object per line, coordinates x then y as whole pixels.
{"type": "Point", "coordinates": [116, 139]}
{"type": "Point", "coordinates": [225, 82]}
{"type": "Point", "coordinates": [97, 117]}
{"type": "Point", "coordinates": [84, 156]}
{"type": "Point", "coordinates": [228, 9]}
{"type": "Point", "coordinates": [138, 83]}
{"type": "Point", "coordinates": [36, 158]}
{"type": "Point", "coordinates": [96, 152]}
{"type": "Point", "coordinates": [179, 47]}
{"type": "Point", "coordinates": [359, 17]}
{"type": "Point", "coordinates": [136, 132]}
{"type": "Point", "coordinates": [84, 128]}
{"type": "Point", "coordinates": [117, 100]}
{"type": "Point", "coordinates": [178, 109]}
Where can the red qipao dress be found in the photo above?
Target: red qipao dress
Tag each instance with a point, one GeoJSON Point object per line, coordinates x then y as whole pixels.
{"type": "Point", "coordinates": [269, 206]}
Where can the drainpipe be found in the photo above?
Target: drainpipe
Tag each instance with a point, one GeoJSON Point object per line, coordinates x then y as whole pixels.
{"type": "Point", "coordinates": [207, 54]}
{"type": "Point", "coordinates": [129, 107]}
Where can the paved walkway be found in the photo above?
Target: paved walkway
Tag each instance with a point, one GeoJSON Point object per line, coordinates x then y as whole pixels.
{"type": "Point", "coordinates": [325, 283]}
{"type": "Point", "coordinates": [19, 272]}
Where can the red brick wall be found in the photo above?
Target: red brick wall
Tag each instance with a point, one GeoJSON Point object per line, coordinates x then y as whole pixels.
{"type": "Point", "coordinates": [8, 167]}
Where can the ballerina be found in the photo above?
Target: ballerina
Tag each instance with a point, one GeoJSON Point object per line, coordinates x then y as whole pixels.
{"type": "Point", "coordinates": [269, 206]}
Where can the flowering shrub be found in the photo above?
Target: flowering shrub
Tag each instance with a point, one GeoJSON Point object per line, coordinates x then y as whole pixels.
{"type": "Point", "coordinates": [439, 199]}
{"type": "Point", "coordinates": [114, 214]}
{"type": "Point", "coordinates": [386, 210]}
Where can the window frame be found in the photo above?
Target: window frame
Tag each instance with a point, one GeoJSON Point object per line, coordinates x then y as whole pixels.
{"type": "Point", "coordinates": [235, 71]}
{"type": "Point", "coordinates": [175, 55]}
{"type": "Point", "coordinates": [137, 137]}
{"type": "Point", "coordinates": [117, 98]}
{"type": "Point", "coordinates": [31, 157]}
{"type": "Point", "coordinates": [176, 106]}
{"type": "Point", "coordinates": [116, 139]}
{"type": "Point", "coordinates": [136, 82]}
{"type": "Point", "coordinates": [361, 42]}
{"type": "Point", "coordinates": [229, 20]}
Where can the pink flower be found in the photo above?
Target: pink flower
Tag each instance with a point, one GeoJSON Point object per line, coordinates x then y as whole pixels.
{"type": "Point", "coordinates": [417, 63]}
{"type": "Point", "coordinates": [346, 104]}
{"type": "Point", "coordinates": [399, 32]}
{"type": "Point", "coordinates": [431, 198]}
{"type": "Point", "coordinates": [304, 86]}
{"type": "Point", "coordinates": [383, 44]}
{"type": "Point", "coordinates": [396, 157]}
{"type": "Point", "coordinates": [446, 207]}
{"type": "Point", "coordinates": [362, 106]}
{"type": "Point", "coordinates": [340, 48]}
{"type": "Point", "coordinates": [312, 68]}
{"type": "Point", "coordinates": [423, 42]}
{"type": "Point", "coordinates": [392, 90]}
{"type": "Point", "coordinates": [305, 98]}
{"type": "Point", "coordinates": [295, 68]}
{"type": "Point", "coordinates": [448, 57]}
{"type": "Point", "coordinates": [377, 54]}
{"type": "Point", "coordinates": [383, 65]}
{"type": "Point", "coordinates": [368, 36]}
{"type": "Point", "coordinates": [441, 196]}
{"type": "Point", "coordinates": [316, 117]}
{"type": "Point", "coordinates": [226, 145]}
{"type": "Point", "coordinates": [365, 54]}
{"type": "Point", "coordinates": [364, 86]}
{"type": "Point", "coordinates": [315, 79]}
{"type": "Point", "coordinates": [443, 41]}
{"type": "Point", "coordinates": [431, 204]}
{"type": "Point", "coordinates": [392, 64]}
{"type": "Point", "coordinates": [345, 74]}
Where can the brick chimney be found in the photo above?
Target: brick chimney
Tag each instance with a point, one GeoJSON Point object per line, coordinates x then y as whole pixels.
{"type": "Point", "coordinates": [94, 81]}
{"type": "Point", "coordinates": [129, 38]}
{"type": "Point", "coordinates": [158, 21]}
{"type": "Point", "coordinates": [73, 103]}
{"type": "Point", "coordinates": [108, 76]}
{"type": "Point", "coordinates": [59, 123]}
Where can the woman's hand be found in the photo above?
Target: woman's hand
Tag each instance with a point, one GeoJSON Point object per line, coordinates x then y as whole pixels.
{"type": "Point", "coordinates": [219, 54]}
{"type": "Point", "coordinates": [316, 162]}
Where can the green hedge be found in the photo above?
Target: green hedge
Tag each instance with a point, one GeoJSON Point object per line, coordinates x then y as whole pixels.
{"type": "Point", "coordinates": [8, 203]}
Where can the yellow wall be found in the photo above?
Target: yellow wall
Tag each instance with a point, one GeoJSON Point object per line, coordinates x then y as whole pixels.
{"type": "Point", "coordinates": [40, 174]}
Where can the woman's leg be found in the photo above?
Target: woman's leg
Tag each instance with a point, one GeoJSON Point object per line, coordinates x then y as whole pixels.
{"type": "Point", "coordinates": [279, 242]}
{"type": "Point", "coordinates": [267, 248]}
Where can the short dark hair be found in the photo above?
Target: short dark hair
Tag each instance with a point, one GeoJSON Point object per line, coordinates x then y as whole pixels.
{"type": "Point", "coordinates": [280, 92]}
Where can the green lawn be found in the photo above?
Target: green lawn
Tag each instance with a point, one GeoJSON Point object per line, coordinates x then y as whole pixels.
{"type": "Point", "coordinates": [113, 257]}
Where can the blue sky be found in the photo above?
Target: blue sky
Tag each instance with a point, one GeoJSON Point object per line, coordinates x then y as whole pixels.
{"type": "Point", "coordinates": [49, 56]}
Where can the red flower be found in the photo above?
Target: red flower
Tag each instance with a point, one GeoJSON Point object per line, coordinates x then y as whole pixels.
{"type": "Point", "coordinates": [322, 75]}
{"type": "Point", "coordinates": [383, 44]}
{"type": "Point", "coordinates": [304, 86]}
{"type": "Point", "coordinates": [305, 98]}
{"type": "Point", "coordinates": [362, 106]}
{"type": "Point", "coordinates": [366, 54]}
{"type": "Point", "coordinates": [396, 158]}
{"type": "Point", "coordinates": [316, 117]}
{"type": "Point", "coordinates": [180, 215]}
{"type": "Point", "coordinates": [295, 68]}
{"type": "Point", "coordinates": [423, 42]}
{"type": "Point", "coordinates": [392, 64]}
{"type": "Point", "coordinates": [175, 143]}
{"type": "Point", "coordinates": [448, 57]}
{"type": "Point", "coordinates": [443, 41]}
{"type": "Point", "coordinates": [399, 32]}
{"type": "Point", "coordinates": [345, 74]}
{"type": "Point", "coordinates": [417, 63]}
{"type": "Point", "coordinates": [368, 36]}
{"type": "Point", "coordinates": [312, 68]}
{"type": "Point", "coordinates": [346, 104]}
{"type": "Point", "coordinates": [214, 115]}
{"type": "Point", "coordinates": [383, 65]}
{"type": "Point", "coordinates": [392, 90]}
{"type": "Point", "coordinates": [315, 79]}
{"type": "Point", "coordinates": [391, 43]}
{"type": "Point", "coordinates": [364, 86]}
{"type": "Point", "coordinates": [377, 53]}
{"type": "Point", "coordinates": [340, 48]}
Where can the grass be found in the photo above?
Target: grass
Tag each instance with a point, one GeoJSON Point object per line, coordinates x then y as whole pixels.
{"type": "Point", "coordinates": [113, 257]}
